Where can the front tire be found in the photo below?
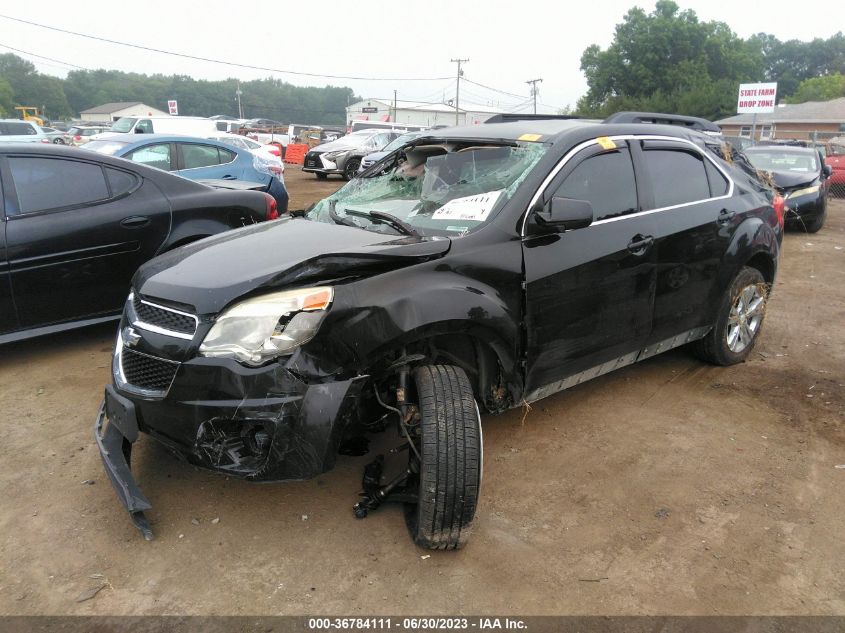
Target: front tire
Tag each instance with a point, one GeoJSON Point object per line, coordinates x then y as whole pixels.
{"type": "Point", "coordinates": [815, 225]}
{"type": "Point", "coordinates": [320, 176]}
{"type": "Point", "coordinates": [450, 458]}
{"type": "Point", "coordinates": [351, 168]}
{"type": "Point", "coordinates": [738, 322]}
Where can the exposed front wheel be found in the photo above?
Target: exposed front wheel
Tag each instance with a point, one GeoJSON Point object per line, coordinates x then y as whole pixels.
{"type": "Point", "coordinates": [815, 224]}
{"type": "Point", "coordinates": [450, 458]}
{"type": "Point", "coordinates": [738, 322]}
{"type": "Point", "coordinates": [320, 176]}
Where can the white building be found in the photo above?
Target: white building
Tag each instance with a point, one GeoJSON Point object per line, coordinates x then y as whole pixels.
{"type": "Point", "coordinates": [418, 113]}
{"type": "Point", "coordinates": [113, 111]}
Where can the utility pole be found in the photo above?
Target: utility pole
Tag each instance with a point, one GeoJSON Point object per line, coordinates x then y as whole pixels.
{"type": "Point", "coordinates": [533, 83]}
{"type": "Point", "coordinates": [458, 87]}
{"type": "Point", "coordinates": [238, 94]}
{"type": "Point", "coordinates": [394, 106]}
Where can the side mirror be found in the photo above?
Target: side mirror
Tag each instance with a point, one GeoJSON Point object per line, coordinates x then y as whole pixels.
{"type": "Point", "coordinates": [565, 214]}
{"type": "Point", "coordinates": [828, 170]}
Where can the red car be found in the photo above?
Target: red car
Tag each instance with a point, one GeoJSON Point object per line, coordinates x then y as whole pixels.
{"type": "Point", "coordinates": [836, 160]}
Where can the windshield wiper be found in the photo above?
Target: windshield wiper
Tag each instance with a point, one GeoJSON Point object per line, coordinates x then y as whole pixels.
{"type": "Point", "coordinates": [385, 218]}
{"type": "Point", "coordinates": [339, 219]}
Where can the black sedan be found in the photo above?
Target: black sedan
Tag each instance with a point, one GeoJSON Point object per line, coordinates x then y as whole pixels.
{"type": "Point", "coordinates": [800, 176]}
{"type": "Point", "coordinates": [75, 225]}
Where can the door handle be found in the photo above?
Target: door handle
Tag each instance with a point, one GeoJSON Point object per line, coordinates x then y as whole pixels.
{"type": "Point", "coordinates": [135, 222]}
{"type": "Point", "coordinates": [639, 243]}
{"type": "Point", "coordinates": [228, 177]}
{"type": "Point", "coordinates": [725, 216]}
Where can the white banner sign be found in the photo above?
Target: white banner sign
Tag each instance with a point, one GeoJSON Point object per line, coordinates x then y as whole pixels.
{"type": "Point", "coordinates": [173, 107]}
{"type": "Point", "coordinates": [756, 98]}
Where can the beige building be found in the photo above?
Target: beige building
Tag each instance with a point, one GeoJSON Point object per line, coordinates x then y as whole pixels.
{"type": "Point", "coordinates": [813, 120]}
{"type": "Point", "coordinates": [113, 111]}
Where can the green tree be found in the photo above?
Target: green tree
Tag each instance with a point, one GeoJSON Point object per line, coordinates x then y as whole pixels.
{"type": "Point", "coordinates": [668, 60]}
{"type": "Point", "coordinates": [819, 89]}
{"type": "Point", "coordinates": [7, 99]}
{"type": "Point", "coordinates": [791, 62]}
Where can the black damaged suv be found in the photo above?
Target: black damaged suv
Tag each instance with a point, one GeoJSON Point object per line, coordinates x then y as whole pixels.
{"type": "Point", "coordinates": [475, 268]}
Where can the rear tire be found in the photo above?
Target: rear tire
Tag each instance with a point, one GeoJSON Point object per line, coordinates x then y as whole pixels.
{"type": "Point", "coordinates": [451, 459]}
{"type": "Point", "coordinates": [738, 322]}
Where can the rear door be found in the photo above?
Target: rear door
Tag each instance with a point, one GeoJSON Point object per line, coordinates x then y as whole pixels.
{"type": "Point", "coordinates": [589, 291]}
{"type": "Point", "coordinates": [76, 231]}
{"type": "Point", "coordinates": [198, 161]}
{"type": "Point", "coordinates": [695, 219]}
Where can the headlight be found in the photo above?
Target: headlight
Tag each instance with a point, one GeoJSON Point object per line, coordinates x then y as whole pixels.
{"type": "Point", "coordinates": [803, 192]}
{"type": "Point", "coordinates": [334, 155]}
{"type": "Point", "coordinates": [260, 329]}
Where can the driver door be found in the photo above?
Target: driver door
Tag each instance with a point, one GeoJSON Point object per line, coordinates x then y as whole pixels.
{"type": "Point", "coordinates": [589, 291]}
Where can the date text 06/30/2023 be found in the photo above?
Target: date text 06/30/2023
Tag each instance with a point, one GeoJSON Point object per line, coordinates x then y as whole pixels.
{"type": "Point", "coordinates": [416, 624]}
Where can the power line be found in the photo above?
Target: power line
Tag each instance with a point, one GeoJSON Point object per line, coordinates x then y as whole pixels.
{"type": "Point", "coordinates": [217, 61]}
{"type": "Point", "coordinates": [490, 88]}
{"type": "Point", "coordinates": [58, 61]}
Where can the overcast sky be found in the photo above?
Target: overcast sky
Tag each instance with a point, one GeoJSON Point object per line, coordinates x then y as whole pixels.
{"type": "Point", "coordinates": [507, 43]}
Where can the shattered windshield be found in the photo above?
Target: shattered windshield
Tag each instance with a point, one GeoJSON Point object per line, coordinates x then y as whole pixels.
{"type": "Point", "coordinates": [447, 188]}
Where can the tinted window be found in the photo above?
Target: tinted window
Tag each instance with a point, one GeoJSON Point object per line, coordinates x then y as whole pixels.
{"type": "Point", "coordinates": [718, 183]}
{"type": "Point", "coordinates": [11, 128]}
{"type": "Point", "coordinates": [606, 181]}
{"type": "Point", "coordinates": [226, 156]}
{"type": "Point", "coordinates": [676, 177]}
{"type": "Point", "coordinates": [152, 155]}
{"type": "Point", "coordinates": [196, 156]}
{"type": "Point", "coordinates": [46, 183]}
{"type": "Point", "coordinates": [120, 181]}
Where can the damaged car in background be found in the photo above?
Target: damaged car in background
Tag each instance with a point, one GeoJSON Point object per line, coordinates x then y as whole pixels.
{"type": "Point", "coordinates": [800, 175]}
{"type": "Point", "coordinates": [472, 269]}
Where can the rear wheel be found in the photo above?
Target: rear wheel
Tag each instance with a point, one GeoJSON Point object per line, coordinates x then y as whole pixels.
{"type": "Point", "coordinates": [450, 458]}
{"type": "Point", "coordinates": [59, 140]}
{"type": "Point", "coordinates": [739, 320]}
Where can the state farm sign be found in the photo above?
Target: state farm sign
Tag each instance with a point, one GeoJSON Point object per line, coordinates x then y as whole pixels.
{"type": "Point", "coordinates": [756, 98]}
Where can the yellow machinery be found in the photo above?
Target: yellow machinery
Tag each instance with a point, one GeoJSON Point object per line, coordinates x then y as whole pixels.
{"type": "Point", "coordinates": [30, 113]}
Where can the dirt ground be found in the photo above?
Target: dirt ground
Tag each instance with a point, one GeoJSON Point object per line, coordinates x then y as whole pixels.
{"type": "Point", "coordinates": [669, 487]}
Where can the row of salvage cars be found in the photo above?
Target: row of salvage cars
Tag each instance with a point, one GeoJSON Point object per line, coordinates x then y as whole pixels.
{"type": "Point", "coordinates": [471, 270]}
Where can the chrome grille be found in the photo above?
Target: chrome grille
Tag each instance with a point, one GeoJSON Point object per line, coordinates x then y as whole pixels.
{"type": "Point", "coordinates": [147, 372]}
{"type": "Point", "coordinates": [158, 318]}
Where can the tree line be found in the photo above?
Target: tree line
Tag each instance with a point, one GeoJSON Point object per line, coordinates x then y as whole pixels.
{"type": "Point", "coordinates": [669, 61]}
{"type": "Point", "coordinates": [22, 84]}
{"type": "Point", "coordinates": [663, 61]}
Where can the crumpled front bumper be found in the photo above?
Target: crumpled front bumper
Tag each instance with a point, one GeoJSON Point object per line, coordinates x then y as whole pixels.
{"type": "Point", "coordinates": [295, 436]}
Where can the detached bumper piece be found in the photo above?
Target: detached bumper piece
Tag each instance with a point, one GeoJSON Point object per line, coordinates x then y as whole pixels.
{"type": "Point", "coordinates": [115, 444]}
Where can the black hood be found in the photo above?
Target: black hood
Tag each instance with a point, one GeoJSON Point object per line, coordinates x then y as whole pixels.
{"type": "Point", "coordinates": [210, 274]}
{"type": "Point", "coordinates": [786, 180]}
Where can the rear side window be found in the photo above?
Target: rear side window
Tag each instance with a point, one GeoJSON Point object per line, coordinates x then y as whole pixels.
{"type": "Point", "coordinates": [12, 128]}
{"type": "Point", "coordinates": [676, 176]}
{"type": "Point", "coordinates": [49, 183]}
{"type": "Point", "coordinates": [121, 182]}
{"type": "Point", "coordinates": [152, 155]}
{"type": "Point", "coordinates": [196, 156]}
{"type": "Point", "coordinates": [606, 181]}
{"type": "Point", "coordinates": [718, 183]}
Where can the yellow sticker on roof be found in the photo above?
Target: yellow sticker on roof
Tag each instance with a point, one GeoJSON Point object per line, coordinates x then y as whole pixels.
{"type": "Point", "coordinates": [530, 137]}
{"type": "Point", "coordinates": [605, 142]}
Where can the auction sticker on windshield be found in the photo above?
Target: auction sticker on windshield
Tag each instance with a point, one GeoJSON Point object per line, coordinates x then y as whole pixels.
{"type": "Point", "coordinates": [475, 208]}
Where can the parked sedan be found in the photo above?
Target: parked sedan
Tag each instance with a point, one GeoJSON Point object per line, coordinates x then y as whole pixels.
{"type": "Point", "coordinates": [197, 159]}
{"type": "Point", "coordinates": [81, 134]}
{"type": "Point", "coordinates": [54, 135]}
{"type": "Point", "coordinates": [273, 153]}
{"type": "Point", "coordinates": [371, 159]}
{"type": "Point", "coordinates": [75, 225]}
{"type": "Point", "coordinates": [836, 161]}
{"type": "Point", "coordinates": [344, 155]}
{"type": "Point", "coordinates": [800, 177]}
